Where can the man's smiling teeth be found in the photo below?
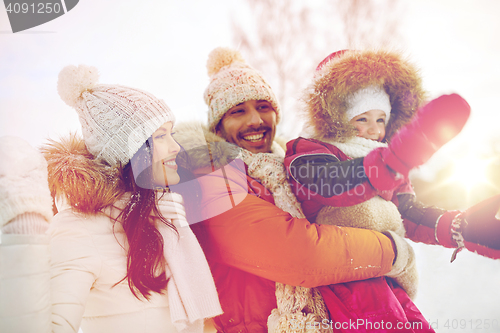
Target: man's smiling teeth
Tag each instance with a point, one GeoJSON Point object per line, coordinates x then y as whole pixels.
{"type": "Point", "coordinates": [171, 162]}
{"type": "Point", "coordinates": [254, 138]}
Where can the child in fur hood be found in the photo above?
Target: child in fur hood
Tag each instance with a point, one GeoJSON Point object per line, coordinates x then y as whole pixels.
{"type": "Point", "coordinates": [345, 173]}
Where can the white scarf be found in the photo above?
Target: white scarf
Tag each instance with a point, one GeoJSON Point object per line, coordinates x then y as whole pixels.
{"type": "Point", "coordinates": [357, 146]}
{"type": "Point", "coordinates": [191, 292]}
{"type": "Point", "coordinates": [296, 306]}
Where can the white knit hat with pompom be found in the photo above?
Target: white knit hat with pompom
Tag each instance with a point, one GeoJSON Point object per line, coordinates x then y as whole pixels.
{"type": "Point", "coordinates": [233, 82]}
{"type": "Point", "coordinates": [116, 120]}
{"type": "Point", "coordinates": [366, 99]}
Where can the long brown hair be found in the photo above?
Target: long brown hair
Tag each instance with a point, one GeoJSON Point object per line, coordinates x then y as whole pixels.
{"type": "Point", "coordinates": [145, 259]}
{"type": "Point", "coordinates": [90, 185]}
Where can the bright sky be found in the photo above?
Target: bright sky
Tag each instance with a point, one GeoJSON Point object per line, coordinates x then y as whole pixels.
{"type": "Point", "coordinates": [157, 46]}
{"type": "Point", "coordinates": [162, 47]}
{"type": "Point", "coordinates": [455, 42]}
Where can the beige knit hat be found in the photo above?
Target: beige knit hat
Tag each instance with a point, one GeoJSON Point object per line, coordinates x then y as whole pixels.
{"type": "Point", "coordinates": [233, 82]}
{"type": "Point", "coordinates": [116, 120]}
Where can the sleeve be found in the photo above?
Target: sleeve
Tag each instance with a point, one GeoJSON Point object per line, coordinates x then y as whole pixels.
{"type": "Point", "coordinates": [476, 229]}
{"type": "Point", "coordinates": [24, 283]}
{"type": "Point", "coordinates": [45, 279]}
{"type": "Point", "coordinates": [75, 265]}
{"type": "Point", "coordinates": [249, 233]}
{"type": "Point", "coordinates": [420, 221]}
{"type": "Point", "coordinates": [326, 175]}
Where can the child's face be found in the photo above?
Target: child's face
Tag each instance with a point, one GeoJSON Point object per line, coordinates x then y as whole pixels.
{"type": "Point", "coordinates": [370, 125]}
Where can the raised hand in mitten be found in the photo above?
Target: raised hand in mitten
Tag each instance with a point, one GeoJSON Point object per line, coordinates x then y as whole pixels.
{"type": "Point", "coordinates": [434, 125]}
{"type": "Point", "coordinates": [24, 188]}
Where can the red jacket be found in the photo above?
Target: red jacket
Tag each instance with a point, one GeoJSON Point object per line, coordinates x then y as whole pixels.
{"type": "Point", "coordinates": [327, 167]}
{"type": "Point", "coordinates": [251, 244]}
{"type": "Point", "coordinates": [313, 153]}
{"type": "Point", "coordinates": [369, 302]}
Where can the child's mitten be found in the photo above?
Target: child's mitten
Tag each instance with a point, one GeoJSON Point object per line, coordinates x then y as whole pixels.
{"type": "Point", "coordinates": [434, 125]}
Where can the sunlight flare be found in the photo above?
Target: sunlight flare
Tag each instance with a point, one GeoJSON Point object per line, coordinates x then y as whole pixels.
{"type": "Point", "coordinates": [470, 171]}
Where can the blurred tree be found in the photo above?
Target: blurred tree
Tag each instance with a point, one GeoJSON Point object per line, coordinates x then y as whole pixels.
{"type": "Point", "coordinates": [370, 23]}
{"type": "Point", "coordinates": [279, 42]}
{"type": "Point", "coordinates": [286, 39]}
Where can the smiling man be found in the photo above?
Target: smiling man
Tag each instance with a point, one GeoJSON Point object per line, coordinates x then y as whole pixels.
{"type": "Point", "coordinates": [250, 125]}
{"type": "Point", "coordinates": [242, 106]}
{"type": "Point", "coordinates": [250, 242]}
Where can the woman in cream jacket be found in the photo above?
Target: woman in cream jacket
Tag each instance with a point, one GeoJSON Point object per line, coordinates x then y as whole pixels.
{"type": "Point", "coordinates": [119, 256]}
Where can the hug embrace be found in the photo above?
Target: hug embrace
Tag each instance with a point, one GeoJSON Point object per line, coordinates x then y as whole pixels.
{"type": "Point", "coordinates": [166, 227]}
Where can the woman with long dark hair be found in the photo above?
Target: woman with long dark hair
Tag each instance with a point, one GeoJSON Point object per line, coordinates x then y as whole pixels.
{"type": "Point", "coordinates": [122, 255]}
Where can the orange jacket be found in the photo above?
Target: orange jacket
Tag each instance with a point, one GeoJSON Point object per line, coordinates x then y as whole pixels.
{"type": "Point", "coordinates": [251, 244]}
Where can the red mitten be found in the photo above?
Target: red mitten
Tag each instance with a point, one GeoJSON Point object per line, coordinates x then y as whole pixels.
{"type": "Point", "coordinates": [434, 125]}
{"type": "Point", "coordinates": [379, 174]}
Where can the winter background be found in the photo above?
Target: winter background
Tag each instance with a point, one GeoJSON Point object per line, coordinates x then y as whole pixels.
{"type": "Point", "coordinates": [162, 47]}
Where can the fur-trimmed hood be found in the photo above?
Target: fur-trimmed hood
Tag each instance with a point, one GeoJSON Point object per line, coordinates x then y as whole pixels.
{"type": "Point", "coordinates": [89, 185]}
{"type": "Point", "coordinates": [207, 149]}
{"type": "Point", "coordinates": [203, 148]}
{"type": "Point", "coordinates": [86, 184]}
{"type": "Point", "coordinates": [342, 75]}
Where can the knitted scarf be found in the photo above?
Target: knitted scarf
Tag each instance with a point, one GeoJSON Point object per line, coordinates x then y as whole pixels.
{"type": "Point", "coordinates": [298, 309]}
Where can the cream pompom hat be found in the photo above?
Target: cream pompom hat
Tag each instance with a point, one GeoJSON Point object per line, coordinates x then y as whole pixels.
{"type": "Point", "coordinates": [116, 120]}
{"type": "Point", "coordinates": [233, 81]}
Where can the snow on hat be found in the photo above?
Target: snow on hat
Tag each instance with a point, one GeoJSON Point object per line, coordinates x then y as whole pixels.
{"type": "Point", "coordinates": [366, 99]}
{"type": "Point", "coordinates": [116, 120]}
{"type": "Point", "coordinates": [233, 82]}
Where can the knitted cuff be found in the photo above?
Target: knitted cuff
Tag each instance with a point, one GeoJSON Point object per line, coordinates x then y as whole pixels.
{"type": "Point", "coordinates": [27, 224]}
{"type": "Point", "coordinates": [23, 180]}
{"type": "Point", "coordinates": [444, 229]}
{"type": "Point", "coordinates": [404, 252]}
{"type": "Point", "coordinates": [19, 203]}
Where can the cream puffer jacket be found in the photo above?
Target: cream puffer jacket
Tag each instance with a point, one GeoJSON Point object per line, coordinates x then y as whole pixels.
{"type": "Point", "coordinates": [70, 278]}
{"type": "Point", "coordinates": [88, 259]}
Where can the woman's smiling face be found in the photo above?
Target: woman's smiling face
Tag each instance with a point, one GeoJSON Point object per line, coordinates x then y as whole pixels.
{"type": "Point", "coordinates": [165, 150]}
